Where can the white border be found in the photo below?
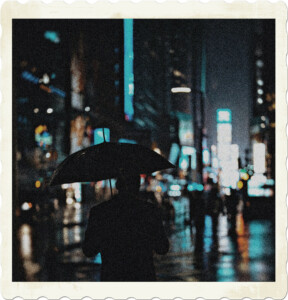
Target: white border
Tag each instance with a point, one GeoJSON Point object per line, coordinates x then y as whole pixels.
{"type": "Point", "coordinates": [147, 9]}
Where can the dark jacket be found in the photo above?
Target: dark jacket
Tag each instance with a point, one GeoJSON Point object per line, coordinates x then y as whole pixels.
{"type": "Point", "coordinates": [125, 231]}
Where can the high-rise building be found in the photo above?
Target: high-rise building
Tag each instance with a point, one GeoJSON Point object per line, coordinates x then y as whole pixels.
{"type": "Point", "coordinates": [168, 64]}
{"type": "Point", "coordinates": [263, 122]}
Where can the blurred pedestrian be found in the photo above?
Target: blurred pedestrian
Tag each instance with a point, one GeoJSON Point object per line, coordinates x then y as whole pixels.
{"type": "Point", "coordinates": [126, 231]}
{"type": "Point", "coordinates": [214, 206]}
{"type": "Point", "coordinates": [232, 202]}
{"type": "Point", "coordinates": [199, 212]}
{"type": "Point", "coordinates": [185, 199]}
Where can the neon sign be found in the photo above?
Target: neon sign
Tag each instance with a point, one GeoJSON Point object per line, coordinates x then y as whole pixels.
{"type": "Point", "coordinates": [128, 70]}
{"type": "Point", "coordinates": [49, 89]}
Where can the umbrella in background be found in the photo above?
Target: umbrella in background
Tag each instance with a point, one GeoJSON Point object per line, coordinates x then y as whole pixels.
{"type": "Point", "coordinates": [106, 161]}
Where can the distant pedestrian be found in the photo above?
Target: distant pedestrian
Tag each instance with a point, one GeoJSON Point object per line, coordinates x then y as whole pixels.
{"type": "Point", "coordinates": [214, 207]}
{"type": "Point", "coordinates": [232, 202]}
{"type": "Point", "coordinates": [126, 231]}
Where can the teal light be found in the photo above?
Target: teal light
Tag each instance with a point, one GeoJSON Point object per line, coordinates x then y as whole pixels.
{"type": "Point", "coordinates": [224, 115]}
{"type": "Point", "coordinates": [174, 153]}
{"type": "Point", "coordinates": [128, 70]}
{"type": "Point", "coordinates": [127, 141]}
{"type": "Point", "coordinates": [98, 259]}
{"type": "Point", "coordinates": [98, 135]}
{"type": "Point", "coordinates": [52, 36]}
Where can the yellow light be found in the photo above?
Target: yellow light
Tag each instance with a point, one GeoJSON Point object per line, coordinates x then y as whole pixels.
{"type": "Point", "coordinates": [158, 189]}
{"type": "Point", "coordinates": [37, 184]}
{"type": "Point", "coordinates": [244, 176]}
{"type": "Point", "coordinates": [240, 185]}
{"type": "Point", "coordinates": [39, 129]}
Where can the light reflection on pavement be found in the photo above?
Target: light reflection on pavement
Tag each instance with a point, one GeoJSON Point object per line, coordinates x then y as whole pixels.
{"type": "Point", "coordinates": [51, 251]}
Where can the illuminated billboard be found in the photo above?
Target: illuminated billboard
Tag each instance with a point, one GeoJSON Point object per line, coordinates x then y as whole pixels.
{"type": "Point", "coordinates": [128, 70]}
{"type": "Point", "coordinates": [224, 115]}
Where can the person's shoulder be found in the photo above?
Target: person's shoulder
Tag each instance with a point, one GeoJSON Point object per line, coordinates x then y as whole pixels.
{"type": "Point", "coordinates": [99, 207]}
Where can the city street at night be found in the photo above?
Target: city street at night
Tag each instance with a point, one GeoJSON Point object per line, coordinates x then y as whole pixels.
{"type": "Point", "coordinates": [166, 127]}
{"type": "Point", "coordinates": [249, 256]}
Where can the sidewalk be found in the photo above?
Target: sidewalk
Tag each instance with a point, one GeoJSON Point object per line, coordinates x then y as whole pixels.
{"type": "Point", "coordinates": [246, 257]}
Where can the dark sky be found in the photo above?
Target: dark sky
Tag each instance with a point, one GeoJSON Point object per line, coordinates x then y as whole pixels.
{"type": "Point", "coordinates": [230, 77]}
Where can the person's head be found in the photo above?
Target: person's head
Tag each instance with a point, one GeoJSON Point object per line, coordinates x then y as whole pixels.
{"type": "Point", "coordinates": [128, 183]}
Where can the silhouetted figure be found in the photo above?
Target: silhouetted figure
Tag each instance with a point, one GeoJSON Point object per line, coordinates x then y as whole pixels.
{"type": "Point", "coordinates": [232, 202]}
{"type": "Point", "coordinates": [126, 231]}
{"type": "Point", "coordinates": [214, 207]}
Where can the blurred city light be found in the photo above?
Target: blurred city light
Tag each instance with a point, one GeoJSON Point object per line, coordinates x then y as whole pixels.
{"type": "Point", "coordinates": [175, 187]}
{"type": "Point", "coordinates": [77, 205]}
{"type": "Point", "coordinates": [87, 108]}
{"type": "Point", "coordinates": [260, 100]}
{"type": "Point", "coordinates": [26, 241]}
{"type": "Point", "coordinates": [45, 79]}
{"type": "Point", "coordinates": [37, 184]}
{"type": "Point", "coordinates": [26, 206]}
{"type": "Point", "coordinates": [206, 156]}
{"type": "Point", "coordinates": [128, 70]}
{"type": "Point", "coordinates": [49, 110]}
{"type": "Point", "coordinates": [36, 110]}
{"type": "Point", "coordinates": [174, 193]}
{"type": "Point", "coordinates": [52, 36]}
{"type": "Point", "coordinates": [69, 201]}
{"type": "Point", "coordinates": [259, 154]}
{"type": "Point", "coordinates": [98, 135]}
{"type": "Point", "coordinates": [259, 63]}
{"type": "Point", "coordinates": [224, 115]}
{"type": "Point", "coordinates": [240, 185]}
{"type": "Point", "coordinates": [180, 90]}
{"type": "Point", "coordinates": [128, 141]}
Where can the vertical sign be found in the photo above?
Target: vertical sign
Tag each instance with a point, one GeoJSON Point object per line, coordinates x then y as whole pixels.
{"type": "Point", "coordinates": [224, 140]}
{"type": "Point", "coordinates": [128, 70]}
{"type": "Point", "coordinates": [259, 158]}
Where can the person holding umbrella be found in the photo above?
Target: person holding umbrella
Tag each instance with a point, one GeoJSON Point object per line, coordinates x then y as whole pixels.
{"type": "Point", "coordinates": [125, 230]}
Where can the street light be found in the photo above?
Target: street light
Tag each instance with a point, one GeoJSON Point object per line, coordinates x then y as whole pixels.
{"type": "Point", "coordinates": [175, 90]}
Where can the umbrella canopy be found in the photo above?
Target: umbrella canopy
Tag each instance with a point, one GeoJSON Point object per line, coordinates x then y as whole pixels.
{"type": "Point", "coordinates": [108, 160]}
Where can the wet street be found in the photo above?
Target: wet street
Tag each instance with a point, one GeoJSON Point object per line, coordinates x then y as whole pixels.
{"type": "Point", "coordinates": [51, 250]}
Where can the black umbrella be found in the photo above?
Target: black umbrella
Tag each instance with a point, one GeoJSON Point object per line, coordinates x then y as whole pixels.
{"type": "Point", "coordinates": [106, 161]}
